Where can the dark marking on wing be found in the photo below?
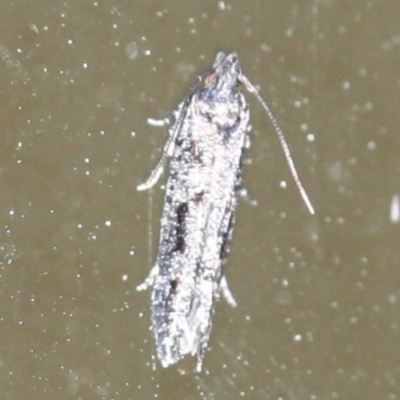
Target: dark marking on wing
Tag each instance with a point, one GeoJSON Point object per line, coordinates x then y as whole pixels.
{"type": "Point", "coordinates": [198, 197]}
{"type": "Point", "coordinates": [173, 285]}
{"type": "Point", "coordinates": [181, 212]}
{"type": "Point", "coordinates": [226, 236]}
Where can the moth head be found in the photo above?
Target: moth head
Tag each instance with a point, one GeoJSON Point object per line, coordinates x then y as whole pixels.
{"type": "Point", "coordinates": [224, 76]}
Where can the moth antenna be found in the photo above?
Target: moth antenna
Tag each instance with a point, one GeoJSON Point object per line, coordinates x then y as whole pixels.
{"type": "Point", "coordinates": [251, 88]}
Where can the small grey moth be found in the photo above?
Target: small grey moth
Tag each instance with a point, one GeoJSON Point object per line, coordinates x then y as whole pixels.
{"type": "Point", "coordinates": [205, 149]}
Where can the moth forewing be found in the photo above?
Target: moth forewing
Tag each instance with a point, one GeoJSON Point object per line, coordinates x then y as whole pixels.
{"type": "Point", "coordinates": [205, 148]}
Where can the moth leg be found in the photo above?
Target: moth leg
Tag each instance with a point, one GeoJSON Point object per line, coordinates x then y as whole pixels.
{"type": "Point", "coordinates": [247, 141]}
{"type": "Point", "coordinates": [149, 280]}
{"type": "Point", "coordinates": [167, 151]}
{"type": "Point", "coordinates": [158, 121]}
{"type": "Point", "coordinates": [199, 364]}
{"type": "Point", "coordinates": [226, 292]}
{"type": "Point", "coordinates": [154, 176]}
{"type": "Point", "coordinates": [159, 169]}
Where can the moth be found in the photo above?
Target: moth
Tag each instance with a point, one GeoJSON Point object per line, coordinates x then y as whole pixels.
{"type": "Point", "coordinates": [205, 152]}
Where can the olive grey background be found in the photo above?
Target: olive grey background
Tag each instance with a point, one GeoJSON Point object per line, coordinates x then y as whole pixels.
{"type": "Point", "coordinates": [319, 296]}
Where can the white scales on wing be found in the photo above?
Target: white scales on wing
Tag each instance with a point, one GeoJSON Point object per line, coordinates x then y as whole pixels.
{"type": "Point", "coordinates": [205, 152]}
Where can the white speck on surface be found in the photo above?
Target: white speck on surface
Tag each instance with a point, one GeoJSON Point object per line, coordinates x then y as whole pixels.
{"type": "Point", "coordinates": [283, 184]}
{"type": "Point", "coordinates": [132, 50]}
{"type": "Point", "coordinates": [34, 28]}
{"type": "Point", "coordinates": [289, 32]}
{"type": "Point", "coordinates": [265, 48]}
{"type": "Point", "coordinates": [345, 85]}
{"type": "Point", "coordinates": [395, 209]}
{"type": "Point", "coordinates": [371, 145]}
{"type": "Point", "coordinates": [368, 106]}
{"type": "Point", "coordinates": [362, 72]}
{"type": "Point", "coordinates": [392, 299]}
{"type": "Point", "coordinates": [221, 5]}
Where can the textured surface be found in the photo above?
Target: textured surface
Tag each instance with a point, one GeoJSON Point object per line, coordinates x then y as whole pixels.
{"type": "Point", "coordinates": [318, 297]}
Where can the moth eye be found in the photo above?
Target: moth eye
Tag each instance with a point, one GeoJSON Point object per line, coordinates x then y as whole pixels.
{"type": "Point", "coordinates": [209, 78]}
